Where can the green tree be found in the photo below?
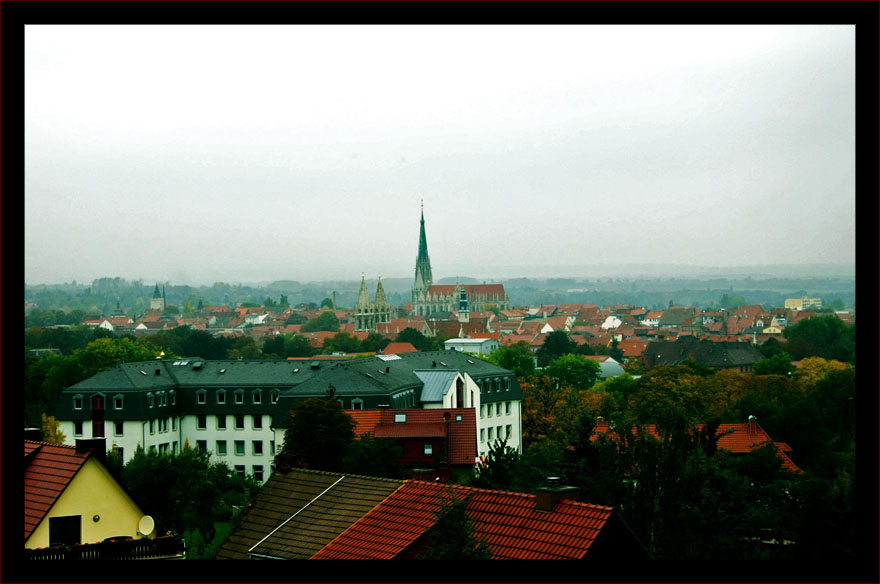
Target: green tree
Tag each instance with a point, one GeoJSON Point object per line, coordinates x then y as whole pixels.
{"type": "Point", "coordinates": [573, 370]}
{"type": "Point", "coordinates": [371, 456]}
{"type": "Point", "coordinates": [823, 336]}
{"type": "Point", "coordinates": [517, 358]}
{"type": "Point", "coordinates": [778, 364]}
{"type": "Point", "coordinates": [374, 343]}
{"type": "Point", "coordinates": [556, 344]}
{"type": "Point", "coordinates": [327, 303]}
{"type": "Point", "coordinates": [415, 338]}
{"type": "Point", "coordinates": [327, 321]}
{"type": "Point", "coordinates": [500, 469]}
{"type": "Point", "coordinates": [341, 343]}
{"type": "Point", "coordinates": [244, 348]}
{"type": "Point", "coordinates": [319, 432]}
{"type": "Point", "coordinates": [453, 536]}
{"type": "Point", "coordinates": [288, 345]}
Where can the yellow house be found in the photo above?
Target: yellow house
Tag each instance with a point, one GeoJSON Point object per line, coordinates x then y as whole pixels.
{"type": "Point", "coordinates": [70, 498]}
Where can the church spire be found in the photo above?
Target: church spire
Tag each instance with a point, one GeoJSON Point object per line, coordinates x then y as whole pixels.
{"type": "Point", "coordinates": [423, 263]}
{"type": "Point", "coordinates": [363, 303]}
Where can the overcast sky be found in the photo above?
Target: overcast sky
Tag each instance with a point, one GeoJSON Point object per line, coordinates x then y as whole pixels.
{"type": "Point", "coordinates": [195, 154]}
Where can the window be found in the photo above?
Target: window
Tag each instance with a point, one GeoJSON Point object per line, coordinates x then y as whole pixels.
{"type": "Point", "coordinates": [498, 433]}
{"type": "Point", "coordinates": [150, 401]}
{"type": "Point", "coordinates": [508, 429]}
{"type": "Point", "coordinates": [221, 422]}
{"type": "Point", "coordinates": [258, 472]}
{"type": "Point", "coordinates": [120, 452]}
{"type": "Point", "coordinates": [483, 411]}
{"type": "Point", "coordinates": [98, 402]}
{"type": "Point", "coordinates": [163, 448]}
{"type": "Point", "coordinates": [65, 530]}
{"type": "Point", "coordinates": [239, 422]}
{"type": "Point", "coordinates": [272, 446]}
{"type": "Point", "coordinates": [357, 404]}
{"type": "Point", "coordinates": [239, 468]}
{"type": "Point", "coordinates": [498, 409]}
{"type": "Point", "coordinates": [202, 444]}
{"type": "Point", "coordinates": [257, 396]}
{"type": "Point", "coordinates": [482, 434]}
{"type": "Point", "coordinates": [257, 447]}
{"type": "Point", "coordinates": [163, 424]}
{"type": "Point", "coordinates": [429, 449]}
{"type": "Point", "coordinates": [489, 409]}
{"type": "Point", "coordinates": [202, 422]}
{"type": "Point", "coordinates": [77, 402]}
{"type": "Point", "coordinates": [275, 396]}
{"type": "Point", "coordinates": [507, 408]}
{"type": "Point", "coordinates": [173, 397]}
{"type": "Point", "coordinates": [239, 447]}
{"type": "Point", "coordinates": [77, 428]}
{"type": "Point", "coordinates": [117, 428]}
{"type": "Point", "coordinates": [174, 447]}
{"type": "Point", "coordinates": [239, 396]}
{"type": "Point", "coordinates": [117, 402]}
{"type": "Point", "coordinates": [491, 430]}
{"type": "Point", "coordinates": [162, 398]}
{"type": "Point", "coordinates": [201, 397]}
{"type": "Point", "coordinates": [258, 422]}
{"type": "Point", "coordinates": [152, 426]}
{"type": "Point", "coordinates": [174, 423]}
{"type": "Point", "coordinates": [399, 418]}
{"type": "Point", "coordinates": [221, 396]}
{"type": "Point", "coordinates": [221, 448]}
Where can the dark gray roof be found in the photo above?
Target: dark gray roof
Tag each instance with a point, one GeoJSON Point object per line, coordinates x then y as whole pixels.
{"type": "Point", "coordinates": [711, 353]}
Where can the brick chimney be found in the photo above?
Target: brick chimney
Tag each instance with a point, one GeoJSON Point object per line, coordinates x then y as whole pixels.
{"type": "Point", "coordinates": [753, 425]}
{"type": "Point", "coordinates": [548, 496]}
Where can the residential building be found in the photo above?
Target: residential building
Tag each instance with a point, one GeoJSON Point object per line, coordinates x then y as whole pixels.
{"type": "Point", "coordinates": [239, 409]}
{"type": "Point", "coordinates": [70, 497]}
{"type": "Point", "coordinates": [739, 356]}
{"type": "Point", "coordinates": [803, 303]}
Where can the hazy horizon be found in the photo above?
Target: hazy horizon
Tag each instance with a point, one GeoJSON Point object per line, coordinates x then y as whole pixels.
{"type": "Point", "coordinates": [196, 154]}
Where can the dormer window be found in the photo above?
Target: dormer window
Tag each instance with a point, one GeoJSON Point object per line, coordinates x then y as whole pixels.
{"type": "Point", "coordinates": [98, 402]}
{"type": "Point", "coordinates": [275, 395]}
{"type": "Point", "coordinates": [239, 396]}
{"type": "Point", "coordinates": [173, 396]}
{"type": "Point", "coordinates": [221, 396]}
{"type": "Point", "coordinates": [117, 402]}
{"type": "Point", "coordinates": [150, 400]}
{"type": "Point", "coordinates": [77, 402]}
{"type": "Point", "coordinates": [257, 396]}
{"type": "Point", "coordinates": [399, 418]}
{"type": "Point", "coordinates": [201, 397]}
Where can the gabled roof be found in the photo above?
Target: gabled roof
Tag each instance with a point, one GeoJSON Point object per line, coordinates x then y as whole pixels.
{"type": "Point", "coordinates": [398, 347]}
{"type": "Point", "coordinates": [298, 512]}
{"type": "Point", "coordinates": [436, 383]}
{"type": "Point", "coordinates": [48, 469]}
{"type": "Point", "coordinates": [510, 522]}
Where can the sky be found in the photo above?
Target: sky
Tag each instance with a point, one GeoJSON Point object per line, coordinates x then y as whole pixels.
{"type": "Point", "coordinates": [196, 154]}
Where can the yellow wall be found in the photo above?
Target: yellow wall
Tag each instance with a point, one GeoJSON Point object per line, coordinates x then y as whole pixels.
{"type": "Point", "coordinates": [93, 491]}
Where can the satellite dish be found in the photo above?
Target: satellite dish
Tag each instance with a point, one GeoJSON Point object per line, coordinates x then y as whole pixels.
{"type": "Point", "coordinates": [146, 526]}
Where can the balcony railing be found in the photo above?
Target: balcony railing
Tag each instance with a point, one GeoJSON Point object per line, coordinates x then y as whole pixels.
{"type": "Point", "coordinates": [161, 548]}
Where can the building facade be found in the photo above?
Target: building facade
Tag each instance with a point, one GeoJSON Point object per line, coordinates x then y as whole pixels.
{"type": "Point", "coordinates": [239, 410]}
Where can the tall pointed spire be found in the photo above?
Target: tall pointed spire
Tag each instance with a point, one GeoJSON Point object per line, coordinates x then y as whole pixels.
{"type": "Point", "coordinates": [381, 302]}
{"type": "Point", "coordinates": [363, 303]}
{"type": "Point", "coordinates": [423, 277]}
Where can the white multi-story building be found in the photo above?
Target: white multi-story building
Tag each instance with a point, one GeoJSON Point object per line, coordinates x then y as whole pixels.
{"type": "Point", "coordinates": [238, 410]}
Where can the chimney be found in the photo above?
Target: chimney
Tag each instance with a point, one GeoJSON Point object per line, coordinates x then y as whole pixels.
{"type": "Point", "coordinates": [35, 434]}
{"type": "Point", "coordinates": [548, 496]}
{"type": "Point", "coordinates": [753, 425]}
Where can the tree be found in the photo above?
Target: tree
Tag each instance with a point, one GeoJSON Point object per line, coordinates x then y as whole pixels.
{"type": "Point", "coordinates": [319, 432]}
{"type": "Point", "coordinates": [453, 536]}
{"type": "Point", "coordinates": [288, 345]}
{"type": "Point", "coordinates": [327, 303]}
{"type": "Point", "coordinates": [500, 468]}
{"type": "Point", "coordinates": [244, 348]}
{"type": "Point", "coordinates": [374, 343]}
{"type": "Point", "coordinates": [556, 344]}
{"type": "Point", "coordinates": [517, 358]}
{"type": "Point", "coordinates": [327, 321]}
{"type": "Point", "coordinates": [770, 347]}
{"type": "Point", "coordinates": [573, 370]}
{"type": "Point", "coordinates": [371, 456]}
{"type": "Point", "coordinates": [814, 369]}
{"type": "Point", "coordinates": [51, 430]}
{"type": "Point", "coordinates": [342, 343]}
{"type": "Point", "coordinates": [415, 338]}
{"type": "Point", "coordinates": [778, 364]}
{"type": "Point", "coordinates": [823, 336]}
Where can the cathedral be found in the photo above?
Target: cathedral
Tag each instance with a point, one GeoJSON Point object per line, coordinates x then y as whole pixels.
{"type": "Point", "coordinates": [429, 298]}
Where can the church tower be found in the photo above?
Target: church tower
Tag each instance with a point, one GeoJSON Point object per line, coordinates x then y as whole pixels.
{"type": "Point", "coordinates": [157, 302]}
{"type": "Point", "coordinates": [423, 279]}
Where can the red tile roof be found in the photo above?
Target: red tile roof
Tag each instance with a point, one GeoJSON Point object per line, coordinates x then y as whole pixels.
{"type": "Point", "coordinates": [397, 347]}
{"type": "Point", "coordinates": [49, 468]}
{"type": "Point", "coordinates": [737, 438]}
{"type": "Point", "coordinates": [423, 423]}
{"type": "Point", "coordinates": [510, 522]}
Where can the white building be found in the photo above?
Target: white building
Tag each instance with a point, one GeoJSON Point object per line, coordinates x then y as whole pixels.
{"type": "Point", "coordinates": [472, 346]}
